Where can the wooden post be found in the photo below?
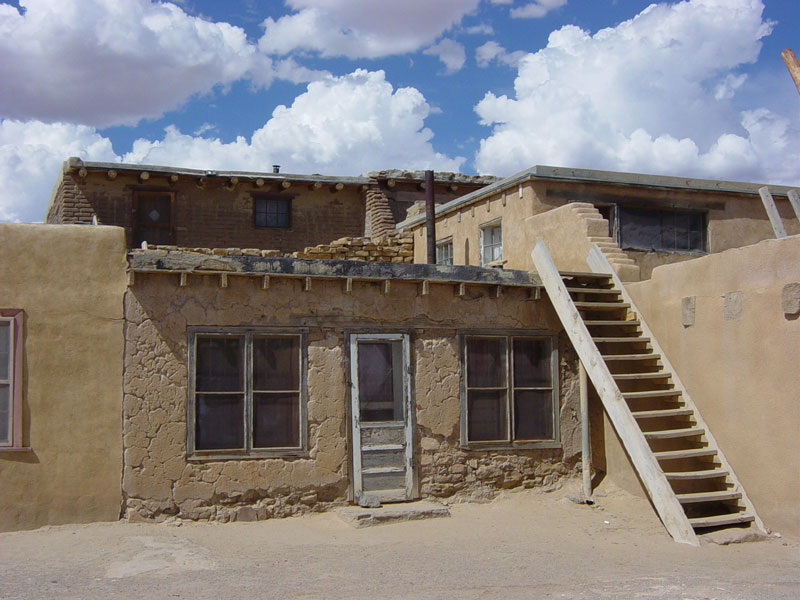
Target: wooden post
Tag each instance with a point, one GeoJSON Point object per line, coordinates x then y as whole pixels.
{"type": "Point", "coordinates": [794, 67]}
{"type": "Point", "coordinates": [794, 199]}
{"type": "Point", "coordinates": [772, 212]}
{"type": "Point", "coordinates": [586, 446]}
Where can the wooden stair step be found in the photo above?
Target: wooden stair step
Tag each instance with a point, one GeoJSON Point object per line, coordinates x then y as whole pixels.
{"type": "Point", "coordinates": [656, 414]}
{"type": "Point", "coordinates": [717, 520]}
{"type": "Point", "coordinates": [666, 434]}
{"type": "Point", "coordinates": [708, 497]}
{"type": "Point", "coordinates": [707, 474]}
{"type": "Point", "coordinates": [610, 323]}
{"type": "Point", "coordinates": [584, 275]}
{"type": "Point", "coordinates": [638, 376]}
{"type": "Point", "coordinates": [382, 448]}
{"type": "Point", "coordinates": [690, 453]}
{"type": "Point", "coordinates": [382, 470]}
{"type": "Point", "coordinates": [621, 340]}
{"type": "Point", "coordinates": [613, 357]}
{"type": "Point", "coordinates": [601, 305]}
{"type": "Point", "coordinates": [650, 394]}
{"type": "Point", "coordinates": [586, 290]}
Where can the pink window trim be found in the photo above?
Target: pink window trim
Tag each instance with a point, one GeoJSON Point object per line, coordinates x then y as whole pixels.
{"type": "Point", "coordinates": [15, 314]}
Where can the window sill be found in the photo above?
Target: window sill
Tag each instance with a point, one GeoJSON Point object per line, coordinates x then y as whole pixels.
{"type": "Point", "coordinates": [217, 456]}
{"type": "Point", "coordinates": [509, 446]}
{"type": "Point", "coordinates": [12, 449]}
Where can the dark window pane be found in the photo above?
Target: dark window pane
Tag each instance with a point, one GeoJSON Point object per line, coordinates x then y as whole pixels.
{"type": "Point", "coordinates": [531, 362]}
{"type": "Point", "coordinates": [697, 227]}
{"type": "Point", "coordinates": [640, 229]}
{"type": "Point", "coordinates": [380, 381]}
{"type": "Point", "coordinates": [486, 415]}
{"type": "Point", "coordinates": [486, 362]}
{"type": "Point", "coordinates": [533, 415]}
{"type": "Point", "coordinates": [219, 364]}
{"type": "Point", "coordinates": [276, 420]}
{"type": "Point", "coordinates": [680, 239]}
{"type": "Point", "coordinates": [276, 363]}
{"type": "Point", "coordinates": [665, 230]}
{"type": "Point", "coordinates": [272, 212]}
{"type": "Point", "coordinates": [5, 350]}
{"type": "Point", "coordinates": [5, 413]}
{"type": "Point", "coordinates": [219, 422]}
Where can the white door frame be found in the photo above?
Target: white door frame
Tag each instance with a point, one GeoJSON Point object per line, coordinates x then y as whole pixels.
{"type": "Point", "coordinates": [408, 408]}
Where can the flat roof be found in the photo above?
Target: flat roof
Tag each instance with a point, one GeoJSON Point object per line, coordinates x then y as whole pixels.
{"type": "Point", "coordinates": [596, 176]}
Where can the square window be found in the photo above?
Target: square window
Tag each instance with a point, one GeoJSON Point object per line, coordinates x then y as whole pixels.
{"type": "Point", "coordinates": [662, 230]}
{"type": "Point", "coordinates": [272, 211]}
{"type": "Point", "coordinates": [153, 217]}
{"type": "Point", "coordinates": [444, 252]}
{"type": "Point", "coordinates": [10, 378]}
{"type": "Point", "coordinates": [247, 394]}
{"type": "Point", "coordinates": [491, 243]}
{"type": "Point", "coordinates": [509, 394]}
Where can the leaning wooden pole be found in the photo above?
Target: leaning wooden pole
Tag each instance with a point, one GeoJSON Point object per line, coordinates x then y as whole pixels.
{"type": "Point", "coordinates": [586, 446]}
{"type": "Point", "coordinates": [794, 67]}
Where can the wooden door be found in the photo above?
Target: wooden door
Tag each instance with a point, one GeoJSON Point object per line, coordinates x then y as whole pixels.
{"type": "Point", "coordinates": [381, 418]}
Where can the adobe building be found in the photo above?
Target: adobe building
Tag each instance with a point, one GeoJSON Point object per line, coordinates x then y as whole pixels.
{"type": "Point", "coordinates": [247, 381]}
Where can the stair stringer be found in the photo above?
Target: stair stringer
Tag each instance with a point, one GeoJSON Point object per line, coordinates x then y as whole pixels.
{"type": "Point", "coordinates": [649, 470]}
{"type": "Point", "coordinates": [599, 264]}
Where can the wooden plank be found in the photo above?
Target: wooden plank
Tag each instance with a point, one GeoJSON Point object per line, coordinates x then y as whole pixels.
{"type": "Point", "coordinates": [640, 376]}
{"type": "Point", "coordinates": [659, 414]}
{"type": "Point", "coordinates": [610, 323]}
{"type": "Point", "coordinates": [621, 340]}
{"type": "Point", "coordinates": [597, 261]}
{"type": "Point", "coordinates": [645, 463]}
{"type": "Point", "coordinates": [794, 199]}
{"type": "Point", "coordinates": [679, 454]}
{"type": "Point", "coordinates": [715, 521]}
{"type": "Point", "coordinates": [625, 357]}
{"type": "Point", "coordinates": [651, 394]}
{"type": "Point", "coordinates": [688, 475]}
{"type": "Point", "coordinates": [601, 305]}
{"type": "Point", "coordinates": [708, 497]}
{"type": "Point", "coordinates": [668, 434]}
{"type": "Point", "coordinates": [772, 212]}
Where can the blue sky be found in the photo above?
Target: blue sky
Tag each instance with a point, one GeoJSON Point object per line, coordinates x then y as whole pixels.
{"type": "Point", "coordinates": [693, 88]}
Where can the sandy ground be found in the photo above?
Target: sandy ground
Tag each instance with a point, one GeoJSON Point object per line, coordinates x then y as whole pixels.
{"type": "Point", "coordinates": [523, 545]}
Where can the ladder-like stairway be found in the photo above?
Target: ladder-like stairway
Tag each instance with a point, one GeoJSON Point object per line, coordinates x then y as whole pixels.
{"type": "Point", "coordinates": [687, 477]}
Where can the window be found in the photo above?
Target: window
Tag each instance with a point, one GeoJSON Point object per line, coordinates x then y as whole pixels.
{"type": "Point", "coordinates": [153, 217]}
{"type": "Point", "coordinates": [272, 211]}
{"type": "Point", "coordinates": [247, 394]}
{"type": "Point", "coordinates": [664, 230]}
{"type": "Point", "coordinates": [10, 378]}
{"type": "Point", "coordinates": [509, 397]}
{"type": "Point", "coordinates": [491, 243]}
{"type": "Point", "coordinates": [444, 252]}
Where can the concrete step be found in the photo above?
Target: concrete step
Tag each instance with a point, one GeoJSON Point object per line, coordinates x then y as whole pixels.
{"type": "Point", "coordinates": [398, 512]}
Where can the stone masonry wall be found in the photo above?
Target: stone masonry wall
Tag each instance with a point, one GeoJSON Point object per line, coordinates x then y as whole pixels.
{"type": "Point", "coordinates": [158, 479]}
{"type": "Point", "coordinates": [397, 247]}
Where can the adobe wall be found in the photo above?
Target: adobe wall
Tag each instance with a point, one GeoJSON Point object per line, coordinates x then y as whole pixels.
{"type": "Point", "coordinates": [739, 361]}
{"type": "Point", "coordinates": [213, 215]}
{"type": "Point", "coordinates": [734, 220]}
{"type": "Point", "coordinates": [69, 280]}
{"type": "Point", "coordinates": [158, 479]}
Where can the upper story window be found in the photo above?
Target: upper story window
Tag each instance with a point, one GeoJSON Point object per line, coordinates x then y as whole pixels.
{"type": "Point", "coordinates": [444, 252]}
{"type": "Point", "coordinates": [247, 394]}
{"type": "Point", "coordinates": [510, 396]}
{"type": "Point", "coordinates": [662, 230]}
{"type": "Point", "coordinates": [153, 217]}
{"type": "Point", "coordinates": [10, 378]}
{"type": "Point", "coordinates": [272, 211]}
{"type": "Point", "coordinates": [491, 243]}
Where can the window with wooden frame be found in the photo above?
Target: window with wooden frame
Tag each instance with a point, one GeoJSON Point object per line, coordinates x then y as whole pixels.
{"type": "Point", "coordinates": [272, 210]}
{"type": "Point", "coordinates": [153, 223]}
{"type": "Point", "coordinates": [247, 393]}
{"type": "Point", "coordinates": [10, 379]}
{"type": "Point", "coordinates": [491, 242]}
{"type": "Point", "coordinates": [661, 230]}
{"type": "Point", "coordinates": [509, 391]}
{"type": "Point", "coordinates": [444, 252]}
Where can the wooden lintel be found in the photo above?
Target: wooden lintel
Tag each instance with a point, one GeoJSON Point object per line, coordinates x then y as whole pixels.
{"type": "Point", "coordinates": [265, 282]}
{"type": "Point", "coordinates": [223, 280]}
{"type": "Point", "coordinates": [131, 278]}
{"type": "Point", "coordinates": [424, 288]}
{"type": "Point", "coordinates": [386, 286]}
{"type": "Point", "coordinates": [184, 279]}
{"type": "Point", "coordinates": [306, 284]}
{"type": "Point", "coordinates": [348, 285]}
{"type": "Point", "coordinates": [461, 290]}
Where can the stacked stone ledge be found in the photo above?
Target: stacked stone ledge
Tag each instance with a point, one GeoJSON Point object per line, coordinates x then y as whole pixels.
{"type": "Point", "coordinates": [396, 247]}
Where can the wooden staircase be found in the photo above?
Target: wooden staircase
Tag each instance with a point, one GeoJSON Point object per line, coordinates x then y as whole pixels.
{"type": "Point", "coordinates": [677, 459]}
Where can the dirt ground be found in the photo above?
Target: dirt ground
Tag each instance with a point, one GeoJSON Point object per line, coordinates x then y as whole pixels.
{"type": "Point", "coordinates": [525, 544]}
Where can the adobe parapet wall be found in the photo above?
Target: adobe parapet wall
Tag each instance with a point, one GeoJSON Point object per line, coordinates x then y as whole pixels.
{"type": "Point", "coordinates": [330, 300]}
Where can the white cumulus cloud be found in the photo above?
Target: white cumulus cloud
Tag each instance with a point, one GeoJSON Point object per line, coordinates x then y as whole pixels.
{"type": "Point", "coordinates": [653, 94]}
{"type": "Point", "coordinates": [537, 9]}
{"type": "Point", "coordinates": [110, 62]}
{"type": "Point", "coordinates": [450, 52]}
{"type": "Point", "coordinates": [341, 125]}
{"type": "Point", "coordinates": [358, 29]}
{"type": "Point", "coordinates": [491, 51]}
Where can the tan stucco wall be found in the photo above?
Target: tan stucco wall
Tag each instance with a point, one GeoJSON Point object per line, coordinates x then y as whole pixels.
{"type": "Point", "coordinates": [69, 279]}
{"type": "Point", "coordinates": [734, 220]}
{"type": "Point", "coordinates": [159, 480]}
{"type": "Point", "coordinates": [742, 374]}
